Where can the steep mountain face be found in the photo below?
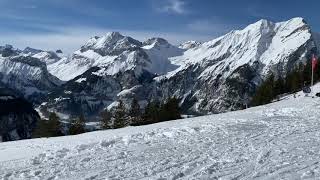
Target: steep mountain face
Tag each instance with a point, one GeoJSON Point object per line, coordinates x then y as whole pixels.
{"type": "Point", "coordinates": [211, 77]}
{"type": "Point", "coordinates": [222, 74]}
{"type": "Point", "coordinates": [159, 52]}
{"type": "Point", "coordinates": [17, 117]}
{"type": "Point", "coordinates": [21, 71]}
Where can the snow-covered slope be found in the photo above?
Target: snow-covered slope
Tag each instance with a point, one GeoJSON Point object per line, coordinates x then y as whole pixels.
{"type": "Point", "coordinates": [47, 57]}
{"type": "Point", "coordinates": [276, 141]}
{"type": "Point", "coordinates": [24, 72]}
{"type": "Point", "coordinates": [159, 51]}
{"type": "Point", "coordinates": [27, 75]}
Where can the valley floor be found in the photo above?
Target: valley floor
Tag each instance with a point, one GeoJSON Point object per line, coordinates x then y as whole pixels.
{"type": "Point", "coordinates": [279, 140]}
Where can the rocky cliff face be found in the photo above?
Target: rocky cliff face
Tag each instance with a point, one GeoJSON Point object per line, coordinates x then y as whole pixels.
{"type": "Point", "coordinates": [17, 117]}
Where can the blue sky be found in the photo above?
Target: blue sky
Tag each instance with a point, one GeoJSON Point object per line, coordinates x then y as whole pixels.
{"type": "Point", "coordinates": [67, 24]}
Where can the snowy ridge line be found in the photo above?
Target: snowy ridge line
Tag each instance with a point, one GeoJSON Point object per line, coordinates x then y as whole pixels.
{"type": "Point", "coordinates": [275, 141]}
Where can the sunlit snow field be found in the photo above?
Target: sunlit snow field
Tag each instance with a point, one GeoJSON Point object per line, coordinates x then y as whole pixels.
{"type": "Point", "coordinates": [279, 140]}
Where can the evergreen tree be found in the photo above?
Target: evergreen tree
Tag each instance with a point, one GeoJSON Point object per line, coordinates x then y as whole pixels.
{"type": "Point", "coordinates": [294, 81]}
{"type": "Point", "coordinates": [151, 113]}
{"type": "Point", "coordinates": [54, 125]}
{"type": "Point", "coordinates": [120, 118]}
{"type": "Point", "coordinates": [135, 112]}
{"type": "Point", "coordinates": [170, 110]}
{"type": "Point", "coordinates": [279, 86]}
{"type": "Point", "coordinates": [105, 119]}
{"type": "Point", "coordinates": [307, 72]}
{"type": "Point", "coordinates": [265, 93]}
{"type": "Point", "coordinates": [77, 126]}
{"type": "Point", "coordinates": [41, 129]}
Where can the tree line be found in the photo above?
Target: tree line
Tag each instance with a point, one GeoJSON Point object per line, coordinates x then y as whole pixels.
{"type": "Point", "coordinates": [120, 117]}
{"type": "Point", "coordinates": [154, 112]}
{"type": "Point", "coordinates": [293, 82]}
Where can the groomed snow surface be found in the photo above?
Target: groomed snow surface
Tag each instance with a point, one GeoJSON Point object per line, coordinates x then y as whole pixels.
{"type": "Point", "coordinates": [277, 141]}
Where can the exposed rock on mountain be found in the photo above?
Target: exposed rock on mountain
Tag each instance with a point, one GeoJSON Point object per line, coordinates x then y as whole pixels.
{"type": "Point", "coordinates": [189, 45]}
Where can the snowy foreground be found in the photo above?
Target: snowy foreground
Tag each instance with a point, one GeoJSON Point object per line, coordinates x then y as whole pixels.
{"type": "Point", "coordinates": [279, 140]}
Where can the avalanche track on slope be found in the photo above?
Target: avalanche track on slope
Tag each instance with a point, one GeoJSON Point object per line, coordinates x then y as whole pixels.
{"type": "Point", "coordinates": [276, 141]}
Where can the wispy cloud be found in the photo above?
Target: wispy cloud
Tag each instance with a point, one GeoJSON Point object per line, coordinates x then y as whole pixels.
{"type": "Point", "coordinates": [174, 6]}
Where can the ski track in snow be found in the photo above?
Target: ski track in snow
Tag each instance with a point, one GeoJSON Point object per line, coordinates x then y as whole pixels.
{"type": "Point", "coordinates": [275, 141]}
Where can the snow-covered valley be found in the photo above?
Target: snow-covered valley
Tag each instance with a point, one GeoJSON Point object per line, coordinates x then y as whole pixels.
{"type": "Point", "coordinates": [276, 141]}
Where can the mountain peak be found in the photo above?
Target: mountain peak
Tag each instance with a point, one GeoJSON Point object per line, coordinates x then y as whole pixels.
{"type": "Point", "coordinates": [156, 41]}
{"type": "Point", "coordinates": [112, 42]}
{"type": "Point", "coordinates": [114, 34]}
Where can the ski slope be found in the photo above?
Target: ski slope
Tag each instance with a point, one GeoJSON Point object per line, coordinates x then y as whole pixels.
{"type": "Point", "coordinates": [276, 141]}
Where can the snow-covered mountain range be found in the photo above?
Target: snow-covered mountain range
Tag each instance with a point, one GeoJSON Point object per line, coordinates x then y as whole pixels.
{"type": "Point", "coordinates": [210, 77]}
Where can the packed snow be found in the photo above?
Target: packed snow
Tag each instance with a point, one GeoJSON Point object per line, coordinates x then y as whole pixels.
{"type": "Point", "coordinates": [276, 141]}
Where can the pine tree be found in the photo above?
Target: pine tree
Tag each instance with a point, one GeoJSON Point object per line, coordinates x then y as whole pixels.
{"type": "Point", "coordinates": [105, 119]}
{"type": "Point", "coordinates": [135, 112]}
{"type": "Point", "coordinates": [294, 80]}
{"type": "Point", "coordinates": [151, 113]}
{"type": "Point", "coordinates": [265, 93]}
{"type": "Point", "coordinates": [279, 86]}
{"type": "Point", "coordinates": [77, 126]}
{"type": "Point", "coordinates": [54, 125]}
{"type": "Point", "coordinates": [41, 129]}
{"type": "Point", "coordinates": [120, 118]}
{"type": "Point", "coordinates": [170, 110]}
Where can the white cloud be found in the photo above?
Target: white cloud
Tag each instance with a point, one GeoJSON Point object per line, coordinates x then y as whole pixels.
{"type": "Point", "coordinates": [174, 6]}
